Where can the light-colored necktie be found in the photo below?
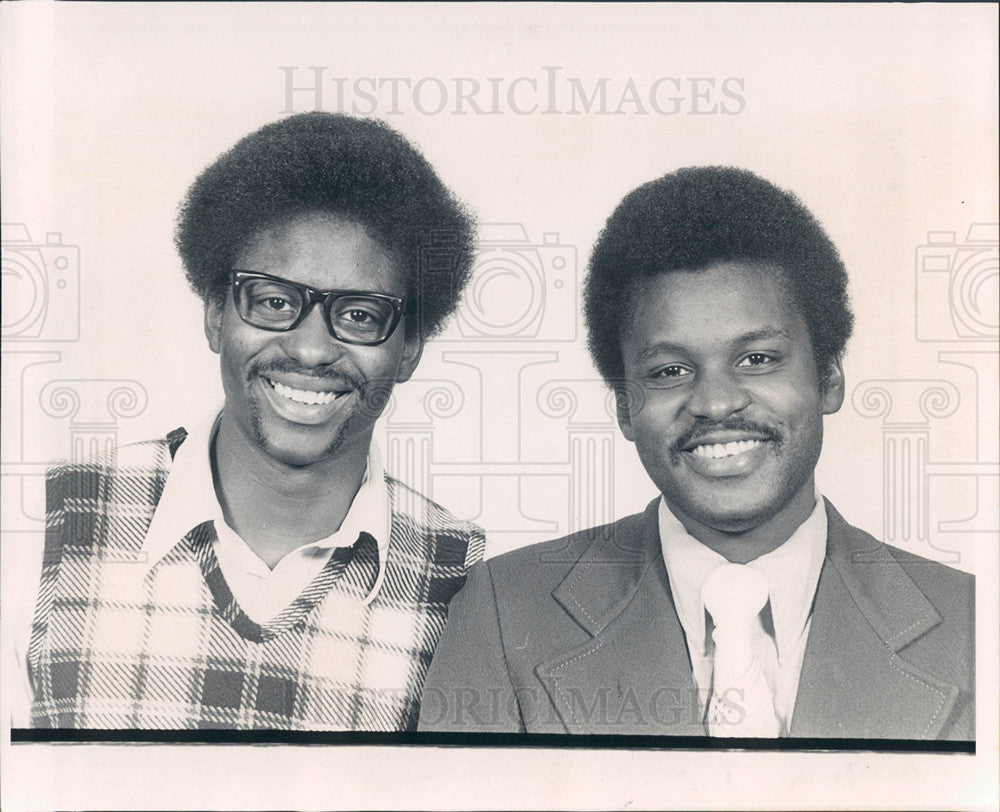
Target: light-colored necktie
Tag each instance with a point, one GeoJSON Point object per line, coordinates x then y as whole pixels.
{"type": "Point", "coordinates": [741, 703]}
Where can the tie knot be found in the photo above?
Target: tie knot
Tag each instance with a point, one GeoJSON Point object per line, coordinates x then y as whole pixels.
{"type": "Point", "coordinates": [734, 594]}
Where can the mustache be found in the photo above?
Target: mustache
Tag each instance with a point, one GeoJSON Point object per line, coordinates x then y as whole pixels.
{"type": "Point", "coordinates": [702, 427]}
{"type": "Point", "coordinates": [290, 365]}
{"type": "Point", "coordinates": [372, 394]}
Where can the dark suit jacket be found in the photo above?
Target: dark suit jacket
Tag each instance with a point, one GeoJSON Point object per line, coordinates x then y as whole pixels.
{"type": "Point", "coordinates": [580, 635]}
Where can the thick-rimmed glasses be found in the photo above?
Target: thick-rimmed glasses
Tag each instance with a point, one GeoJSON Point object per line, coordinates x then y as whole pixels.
{"type": "Point", "coordinates": [352, 316]}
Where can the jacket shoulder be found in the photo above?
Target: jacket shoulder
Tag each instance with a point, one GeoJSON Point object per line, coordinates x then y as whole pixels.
{"type": "Point", "coordinates": [418, 521]}
{"type": "Point", "coordinates": [925, 571]}
{"type": "Point", "coordinates": [890, 580]}
{"type": "Point", "coordinates": [85, 478]}
{"type": "Point", "coordinates": [951, 591]}
{"type": "Point", "coordinates": [544, 565]}
{"type": "Point", "coordinates": [939, 582]}
{"type": "Point", "coordinates": [84, 498]}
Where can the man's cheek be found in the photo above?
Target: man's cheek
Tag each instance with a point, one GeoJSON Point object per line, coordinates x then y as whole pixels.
{"type": "Point", "coordinates": [654, 453]}
{"type": "Point", "coordinates": [656, 435]}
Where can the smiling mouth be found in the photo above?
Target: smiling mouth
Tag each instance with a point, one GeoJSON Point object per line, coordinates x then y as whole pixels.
{"type": "Point", "coordinates": [714, 451]}
{"type": "Point", "coordinates": [308, 397]}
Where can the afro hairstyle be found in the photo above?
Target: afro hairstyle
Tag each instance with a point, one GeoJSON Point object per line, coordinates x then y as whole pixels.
{"type": "Point", "coordinates": [697, 217]}
{"type": "Point", "coordinates": [358, 169]}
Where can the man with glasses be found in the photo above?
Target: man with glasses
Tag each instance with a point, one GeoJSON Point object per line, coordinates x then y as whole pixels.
{"type": "Point", "coordinates": [262, 570]}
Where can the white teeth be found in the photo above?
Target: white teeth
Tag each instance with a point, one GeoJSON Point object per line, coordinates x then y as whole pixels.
{"type": "Point", "coordinates": [303, 395]}
{"type": "Point", "coordinates": [718, 450]}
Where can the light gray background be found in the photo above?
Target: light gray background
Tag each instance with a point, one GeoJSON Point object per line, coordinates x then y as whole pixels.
{"type": "Point", "coordinates": [881, 118]}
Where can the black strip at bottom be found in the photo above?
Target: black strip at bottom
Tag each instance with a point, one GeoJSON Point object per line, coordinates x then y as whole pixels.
{"type": "Point", "coordinates": [359, 738]}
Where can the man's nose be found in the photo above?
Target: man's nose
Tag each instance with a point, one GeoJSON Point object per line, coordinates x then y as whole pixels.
{"type": "Point", "coordinates": [311, 343]}
{"type": "Point", "coordinates": [717, 394]}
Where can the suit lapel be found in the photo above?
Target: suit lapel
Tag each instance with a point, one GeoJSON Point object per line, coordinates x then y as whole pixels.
{"type": "Point", "coordinates": [854, 683]}
{"type": "Point", "coordinates": [634, 675]}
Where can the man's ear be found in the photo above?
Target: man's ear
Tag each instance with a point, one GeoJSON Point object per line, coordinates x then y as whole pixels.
{"type": "Point", "coordinates": [623, 410]}
{"type": "Point", "coordinates": [833, 393]}
{"type": "Point", "coordinates": [412, 350]}
{"type": "Point", "coordinates": [213, 323]}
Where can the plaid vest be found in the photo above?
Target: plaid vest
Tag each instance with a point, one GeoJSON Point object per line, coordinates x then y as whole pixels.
{"type": "Point", "coordinates": [113, 649]}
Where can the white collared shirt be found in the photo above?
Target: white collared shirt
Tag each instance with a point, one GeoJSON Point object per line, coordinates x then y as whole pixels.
{"type": "Point", "coordinates": [792, 572]}
{"type": "Point", "coordinates": [189, 499]}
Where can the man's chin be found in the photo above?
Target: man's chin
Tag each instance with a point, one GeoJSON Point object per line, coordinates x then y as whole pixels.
{"type": "Point", "coordinates": [724, 516]}
{"type": "Point", "coordinates": [734, 524]}
{"type": "Point", "coordinates": [299, 458]}
{"type": "Point", "coordinates": [300, 448]}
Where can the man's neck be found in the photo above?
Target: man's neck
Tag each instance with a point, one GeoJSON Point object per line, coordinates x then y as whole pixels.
{"type": "Point", "coordinates": [274, 507]}
{"type": "Point", "coordinates": [744, 546]}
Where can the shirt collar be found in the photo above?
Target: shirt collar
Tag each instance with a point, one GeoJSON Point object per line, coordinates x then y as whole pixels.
{"type": "Point", "coordinates": [189, 499]}
{"type": "Point", "coordinates": [792, 571]}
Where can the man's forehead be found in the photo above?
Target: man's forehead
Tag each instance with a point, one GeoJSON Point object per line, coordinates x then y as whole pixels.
{"type": "Point", "coordinates": [300, 224]}
{"type": "Point", "coordinates": [314, 236]}
{"type": "Point", "coordinates": [323, 251]}
{"type": "Point", "coordinates": [727, 302]}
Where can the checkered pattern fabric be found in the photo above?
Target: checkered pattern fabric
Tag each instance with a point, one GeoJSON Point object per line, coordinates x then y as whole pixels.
{"type": "Point", "coordinates": [113, 649]}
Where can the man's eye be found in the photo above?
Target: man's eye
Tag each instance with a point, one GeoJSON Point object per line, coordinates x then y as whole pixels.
{"type": "Point", "coordinates": [276, 303]}
{"type": "Point", "coordinates": [671, 372]}
{"type": "Point", "coordinates": [756, 359]}
{"type": "Point", "coordinates": [360, 316]}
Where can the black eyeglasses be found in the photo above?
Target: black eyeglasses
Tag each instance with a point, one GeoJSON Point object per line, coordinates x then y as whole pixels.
{"type": "Point", "coordinates": [352, 316]}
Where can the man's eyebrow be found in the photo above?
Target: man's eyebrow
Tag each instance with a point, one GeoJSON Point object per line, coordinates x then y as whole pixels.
{"type": "Point", "coordinates": [763, 334]}
{"type": "Point", "coordinates": [658, 347]}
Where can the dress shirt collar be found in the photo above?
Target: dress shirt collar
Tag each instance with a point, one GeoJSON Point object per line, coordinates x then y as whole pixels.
{"type": "Point", "coordinates": [792, 572]}
{"type": "Point", "coordinates": [189, 499]}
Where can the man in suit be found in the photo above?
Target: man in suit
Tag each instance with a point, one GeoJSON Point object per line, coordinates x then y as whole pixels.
{"type": "Point", "coordinates": [263, 570]}
{"type": "Point", "coordinates": [740, 602]}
